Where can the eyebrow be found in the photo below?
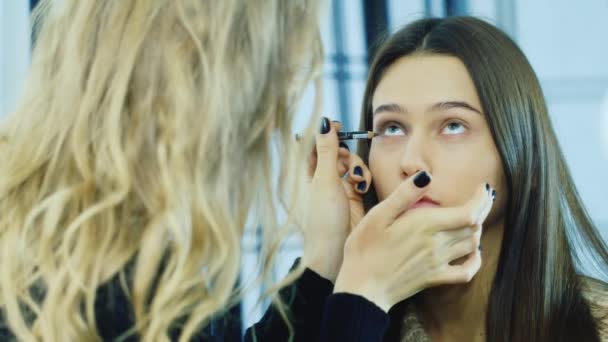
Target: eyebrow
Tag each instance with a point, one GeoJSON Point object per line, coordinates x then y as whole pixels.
{"type": "Point", "coordinates": [444, 105]}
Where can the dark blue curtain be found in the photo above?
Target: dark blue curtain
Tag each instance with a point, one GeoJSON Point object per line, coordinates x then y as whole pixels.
{"type": "Point", "coordinates": [376, 24]}
{"type": "Point", "coordinates": [456, 7]}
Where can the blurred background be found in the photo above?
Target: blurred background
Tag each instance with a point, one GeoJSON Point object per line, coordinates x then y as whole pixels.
{"type": "Point", "coordinates": [564, 40]}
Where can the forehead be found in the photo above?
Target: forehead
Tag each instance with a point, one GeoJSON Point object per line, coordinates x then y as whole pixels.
{"type": "Point", "coordinates": [424, 79]}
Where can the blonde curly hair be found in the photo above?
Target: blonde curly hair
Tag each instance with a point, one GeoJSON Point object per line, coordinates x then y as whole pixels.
{"type": "Point", "coordinates": [146, 138]}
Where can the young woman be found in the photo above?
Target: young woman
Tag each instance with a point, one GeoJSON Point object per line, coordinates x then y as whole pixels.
{"type": "Point", "coordinates": [473, 225]}
{"type": "Point", "coordinates": [131, 166]}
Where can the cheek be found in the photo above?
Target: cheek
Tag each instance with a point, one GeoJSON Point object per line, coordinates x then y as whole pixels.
{"type": "Point", "coordinates": [499, 183]}
{"type": "Point", "coordinates": [459, 173]}
{"type": "Point", "coordinates": [385, 171]}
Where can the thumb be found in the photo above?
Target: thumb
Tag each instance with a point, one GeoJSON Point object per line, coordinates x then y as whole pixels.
{"type": "Point", "coordinates": [327, 146]}
{"type": "Point", "coordinates": [400, 200]}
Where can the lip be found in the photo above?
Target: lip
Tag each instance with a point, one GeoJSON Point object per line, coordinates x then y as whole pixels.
{"type": "Point", "coordinates": [425, 202]}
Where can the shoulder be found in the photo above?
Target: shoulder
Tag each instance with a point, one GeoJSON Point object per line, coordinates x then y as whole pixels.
{"type": "Point", "coordinates": [595, 293]}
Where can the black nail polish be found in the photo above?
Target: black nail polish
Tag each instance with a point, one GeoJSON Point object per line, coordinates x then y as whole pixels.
{"type": "Point", "coordinates": [422, 179]}
{"type": "Point", "coordinates": [343, 145]}
{"type": "Point", "coordinates": [358, 171]}
{"type": "Point", "coordinates": [493, 195]}
{"type": "Point", "coordinates": [487, 187]}
{"type": "Point", "coordinates": [479, 248]}
{"type": "Point", "coordinates": [325, 126]}
{"type": "Point", "coordinates": [361, 186]}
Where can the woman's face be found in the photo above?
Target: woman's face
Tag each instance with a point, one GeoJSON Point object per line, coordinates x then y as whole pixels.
{"type": "Point", "coordinates": [430, 117]}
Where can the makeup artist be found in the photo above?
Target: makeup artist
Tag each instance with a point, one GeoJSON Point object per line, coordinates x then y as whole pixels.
{"type": "Point", "coordinates": [138, 151]}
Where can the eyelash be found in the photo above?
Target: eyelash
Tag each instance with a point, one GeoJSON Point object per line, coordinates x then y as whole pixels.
{"type": "Point", "coordinates": [454, 121]}
{"type": "Point", "coordinates": [383, 126]}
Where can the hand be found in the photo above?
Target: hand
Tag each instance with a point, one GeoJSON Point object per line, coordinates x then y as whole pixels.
{"type": "Point", "coordinates": [338, 179]}
{"type": "Point", "coordinates": [394, 252]}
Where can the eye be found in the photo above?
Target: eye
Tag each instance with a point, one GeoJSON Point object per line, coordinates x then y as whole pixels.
{"type": "Point", "coordinates": [392, 129]}
{"type": "Point", "coordinates": [453, 128]}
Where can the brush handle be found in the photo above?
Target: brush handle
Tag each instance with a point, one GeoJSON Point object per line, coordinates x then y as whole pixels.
{"type": "Point", "coordinates": [355, 135]}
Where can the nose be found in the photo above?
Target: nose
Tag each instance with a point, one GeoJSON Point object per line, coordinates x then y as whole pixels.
{"type": "Point", "coordinates": [415, 156]}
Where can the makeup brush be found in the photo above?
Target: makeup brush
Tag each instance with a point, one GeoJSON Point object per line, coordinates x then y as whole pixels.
{"type": "Point", "coordinates": [365, 135]}
{"type": "Point", "coordinates": [354, 135]}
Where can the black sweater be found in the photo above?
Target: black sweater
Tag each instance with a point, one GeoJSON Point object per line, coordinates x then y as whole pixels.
{"type": "Point", "coordinates": [316, 315]}
{"type": "Point", "coordinates": [319, 315]}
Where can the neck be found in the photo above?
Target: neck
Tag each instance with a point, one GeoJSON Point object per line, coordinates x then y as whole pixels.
{"type": "Point", "coordinates": [458, 312]}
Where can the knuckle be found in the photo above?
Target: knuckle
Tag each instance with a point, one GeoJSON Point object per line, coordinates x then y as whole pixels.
{"type": "Point", "coordinates": [473, 243]}
{"type": "Point", "coordinates": [470, 272]}
{"type": "Point", "coordinates": [468, 275]}
{"type": "Point", "coordinates": [429, 246]}
{"type": "Point", "coordinates": [435, 258]}
{"type": "Point", "coordinates": [470, 219]}
{"type": "Point", "coordinates": [463, 276]}
{"type": "Point", "coordinates": [436, 261]}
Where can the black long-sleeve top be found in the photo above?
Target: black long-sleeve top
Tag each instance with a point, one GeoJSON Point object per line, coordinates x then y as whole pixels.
{"type": "Point", "coordinates": [319, 315]}
{"type": "Point", "coordinates": [316, 315]}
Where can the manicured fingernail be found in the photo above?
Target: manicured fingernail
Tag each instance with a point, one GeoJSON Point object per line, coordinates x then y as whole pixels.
{"type": "Point", "coordinates": [361, 186]}
{"type": "Point", "coordinates": [325, 126]}
{"type": "Point", "coordinates": [358, 171]}
{"type": "Point", "coordinates": [422, 179]}
{"type": "Point", "coordinates": [343, 145]}
{"type": "Point", "coordinates": [493, 195]}
{"type": "Point", "coordinates": [487, 187]}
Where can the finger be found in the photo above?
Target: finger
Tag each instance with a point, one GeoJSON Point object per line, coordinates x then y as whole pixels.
{"type": "Point", "coordinates": [402, 198]}
{"type": "Point", "coordinates": [342, 167]}
{"type": "Point", "coordinates": [467, 215]}
{"type": "Point", "coordinates": [359, 175]}
{"type": "Point", "coordinates": [463, 273]}
{"type": "Point", "coordinates": [337, 125]}
{"type": "Point", "coordinates": [361, 187]}
{"type": "Point", "coordinates": [344, 150]}
{"type": "Point", "coordinates": [327, 149]}
{"type": "Point", "coordinates": [448, 238]}
{"type": "Point", "coordinates": [312, 163]}
{"type": "Point", "coordinates": [350, 191]}
{"type": "Point", "coordinates": [357, 169]}
{"type": "Point", "coordinates": [488, 204]}
{"type": "Point", "coordinates": [463, 247]}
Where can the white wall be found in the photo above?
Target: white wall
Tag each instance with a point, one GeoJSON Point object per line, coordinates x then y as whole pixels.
{"type": "Point", "coordinates": [14, 51]}
{"type": "Point", "coordinates": [568, 48]}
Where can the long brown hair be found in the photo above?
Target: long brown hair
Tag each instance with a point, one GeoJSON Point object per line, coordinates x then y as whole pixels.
{"type": "Point", "coordinates": [537, 293]}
